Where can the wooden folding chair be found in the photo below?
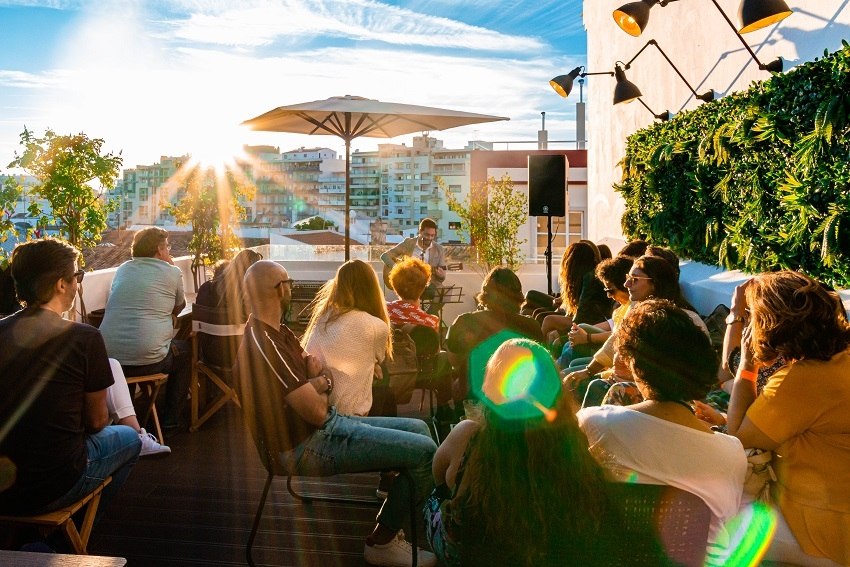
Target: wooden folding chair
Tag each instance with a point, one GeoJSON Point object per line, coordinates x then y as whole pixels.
{"type": "Point", "coordinates": [214, 322]}
{"type": "Point", "coordinates": [64, 518]}
{"type": "Point", "coordinates": [150, 384]}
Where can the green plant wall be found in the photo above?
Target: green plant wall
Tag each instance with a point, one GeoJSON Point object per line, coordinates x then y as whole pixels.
{"type": "Point", "coordinates": [758, 180]}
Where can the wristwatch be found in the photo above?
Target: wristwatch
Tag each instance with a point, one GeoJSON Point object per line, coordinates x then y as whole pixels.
{"type": "Point", "coordinates": [330, 384]}
{"type": "Point", "coordinates": [732, 319]}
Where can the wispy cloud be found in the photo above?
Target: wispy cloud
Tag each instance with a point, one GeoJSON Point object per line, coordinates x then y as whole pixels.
{"type": "Point", "coordinates": [23, 80]}
{"type": "Point", "coordinates": [362, 20]}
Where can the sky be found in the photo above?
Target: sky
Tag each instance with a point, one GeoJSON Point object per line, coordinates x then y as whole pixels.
{"type": "Point", "coordinates": [156, 78]}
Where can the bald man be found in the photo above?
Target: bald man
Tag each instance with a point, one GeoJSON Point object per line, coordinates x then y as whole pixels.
{"type": "Point", "coordinates": [284, 393]}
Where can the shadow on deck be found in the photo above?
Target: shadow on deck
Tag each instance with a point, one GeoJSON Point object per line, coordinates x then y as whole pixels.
{"type": "Point", "coordinates": [196, 507]}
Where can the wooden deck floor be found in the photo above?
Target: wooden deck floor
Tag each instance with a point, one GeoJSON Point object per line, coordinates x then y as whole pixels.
{"type": "Point", "coordinates": [196, 507]}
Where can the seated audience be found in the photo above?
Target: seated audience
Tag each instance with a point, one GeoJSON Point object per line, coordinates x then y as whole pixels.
{"type": "Point", "coordinates": [499, 302]}
{"type": "Point", "coordinates": [8, 302]}
{"type": "Point", "coordinates": [409, 278]}
{"type": "Point", "coordinates": [582, 297]}
{"type": "Point", "coordinates": [284, 393]}
{"type": "Point", "coordinates": [349, 333]}
{"type": "Point", "coordinates": [801, 414]}
{"type": "Point", "coordinates": [516, 485]}
{"type": "Point", "coordinates": [660, 440]}
{"type": "Point", "coordinates": [649, 278]}
{"type": "Point", "coordinates": [224, 292]}
{"type": "Point", "coordinates": [586, 339]}
{"type": "Point", "coordinates": [54, 375]}
{"type": "Point", "coordinates": [146, 294]}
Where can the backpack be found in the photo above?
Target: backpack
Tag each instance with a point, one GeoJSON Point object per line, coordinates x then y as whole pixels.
{"type": "Point", "coordinates": [403, 368]}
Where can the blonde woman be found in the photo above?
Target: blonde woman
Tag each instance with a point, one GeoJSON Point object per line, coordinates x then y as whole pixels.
{"type": "Point", "coordinates": [349, 332]}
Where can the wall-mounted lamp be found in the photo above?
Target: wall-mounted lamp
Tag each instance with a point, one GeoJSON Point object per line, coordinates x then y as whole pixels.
{"type": "Point", "coordinates": [707, 96]}
{"type": "Point", "coordinates": [633, 17]}
{"type": "Point", "coordinates": [563, 84]}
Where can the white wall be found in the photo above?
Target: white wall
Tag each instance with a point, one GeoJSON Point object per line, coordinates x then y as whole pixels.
{"type": "Point", "coordinates": [704, 48]}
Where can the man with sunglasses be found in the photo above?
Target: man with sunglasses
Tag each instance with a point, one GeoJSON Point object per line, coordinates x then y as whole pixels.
{"type": "Point", "coordinates": [146, 293]}
{"type": "Point", "coordinates": [54, 375]}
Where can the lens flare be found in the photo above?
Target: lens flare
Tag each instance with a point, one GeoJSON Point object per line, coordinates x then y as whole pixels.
{"type": "Point", "coordinates": [751, 532]}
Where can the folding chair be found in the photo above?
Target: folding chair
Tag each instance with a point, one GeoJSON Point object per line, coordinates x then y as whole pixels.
{"type": "Point", "coordinates": [679, 519]}
{"type": "Point", "coordinates": [224, 336]}
{"type": "Point", "coordinates": [150, 385]}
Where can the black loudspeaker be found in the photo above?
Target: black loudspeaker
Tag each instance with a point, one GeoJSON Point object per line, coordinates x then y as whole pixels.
{"type": "Point", "coordinates": [547, 185]}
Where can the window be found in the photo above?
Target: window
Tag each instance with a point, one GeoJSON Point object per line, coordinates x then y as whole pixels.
{"type": "Point", "coordinates": [454, 188]}
{"type": "Point", "coordinates": [454, 225]}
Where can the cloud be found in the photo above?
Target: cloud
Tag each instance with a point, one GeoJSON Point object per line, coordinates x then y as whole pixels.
{"type": "Point", "coordinates": [23, 80]}
{"type": "Point", "coordinates": [264, 23]}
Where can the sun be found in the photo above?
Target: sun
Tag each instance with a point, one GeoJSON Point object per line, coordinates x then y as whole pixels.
{"type": "Point", "coordinates": [215, 146]}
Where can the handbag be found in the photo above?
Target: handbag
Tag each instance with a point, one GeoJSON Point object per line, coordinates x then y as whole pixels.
{"type": "Point", "coordinates": [759, 474]}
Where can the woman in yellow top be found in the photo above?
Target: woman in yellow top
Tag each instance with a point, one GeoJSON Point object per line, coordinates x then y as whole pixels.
{"type": "Point", "coordinates": [801, 415]}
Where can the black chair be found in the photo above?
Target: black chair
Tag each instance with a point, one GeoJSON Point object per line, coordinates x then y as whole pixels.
{"type": "Point", "coordinates": [259, 430]}
{"type": "Point", "coordinates": [679, 520]}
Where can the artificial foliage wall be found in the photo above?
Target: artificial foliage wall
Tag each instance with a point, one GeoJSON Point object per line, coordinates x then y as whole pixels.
{"type": "Point", "coordinates": [758, 180]}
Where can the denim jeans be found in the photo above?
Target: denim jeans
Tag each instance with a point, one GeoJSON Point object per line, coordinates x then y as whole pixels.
{"type": "Point", "coordinates": [178, 365]}
{"type": "Point", "coordinates": [111, 451]}
{"type": "Point", "coordinates": [349, 444]}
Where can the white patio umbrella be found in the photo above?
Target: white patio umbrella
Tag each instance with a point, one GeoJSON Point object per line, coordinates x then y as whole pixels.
{"type": "Point", "coordinates": [350, 117]}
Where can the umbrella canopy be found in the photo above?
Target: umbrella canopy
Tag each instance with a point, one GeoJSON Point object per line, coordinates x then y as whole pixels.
{"type": "Point", "coordinates": [350, 117]}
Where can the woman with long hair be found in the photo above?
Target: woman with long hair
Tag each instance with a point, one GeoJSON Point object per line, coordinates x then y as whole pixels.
{"type": "Point", "coordinates": [517, 486]}
{"type": "Point", "coordinates": [225, 290]}
{"type": "Point", "coordinates": [660, 440]}
{"type": "Point", "coordinates": [583, 298]}
{"type": "Point", "coordinates": [349, 332]}
{"type": "Point", "coordinates": [801, 415]}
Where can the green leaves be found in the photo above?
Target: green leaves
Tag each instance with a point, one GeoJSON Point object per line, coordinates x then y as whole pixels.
{"type": "Point", "coordinates": [491, 215]}
{"type": "Point", "coordinates": [67, 167]}
{"type": "Point", "coordinates": [758, 180]}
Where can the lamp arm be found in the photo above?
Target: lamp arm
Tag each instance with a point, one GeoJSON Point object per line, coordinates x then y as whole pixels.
{"type": "Point", "coordinates": [611, 73]}
{"type": "Point", "coordinates": [704, 97]}
{"type": "Point", "coordinates": [664, 116]}
{"type": "Point", "coordinates": [761, 65]}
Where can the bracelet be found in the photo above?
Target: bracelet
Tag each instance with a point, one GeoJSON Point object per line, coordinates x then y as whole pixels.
{"type": "Point", "coordinates": [330, 384]}
{"type": "Point", "coordinates": [748, 375]}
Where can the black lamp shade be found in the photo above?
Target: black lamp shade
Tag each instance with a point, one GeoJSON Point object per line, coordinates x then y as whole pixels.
{"type": "Point", "coordinates": [633, 17]}
{"type": "Point", "coordinates": [563, 84]}
{"type": "Point", "coordinates": [625, 91]}
{"type": "Point", "coordinates": [757, 14]}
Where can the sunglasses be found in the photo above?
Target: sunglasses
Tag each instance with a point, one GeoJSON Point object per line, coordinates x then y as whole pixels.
{"type": "Point", "coordinates": [290, 281]}
{"type": "Point", "coordinates": [79, 274]}
{"type": "Point", "coordinates": [631, 279]}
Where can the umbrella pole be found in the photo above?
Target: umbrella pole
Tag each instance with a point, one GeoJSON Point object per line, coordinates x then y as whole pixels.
{"type": "Point", "coordinates": [347, 196]}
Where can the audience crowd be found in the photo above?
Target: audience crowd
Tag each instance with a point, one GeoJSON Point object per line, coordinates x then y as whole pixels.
{"type": "Point", "coordinates": [543, 403]}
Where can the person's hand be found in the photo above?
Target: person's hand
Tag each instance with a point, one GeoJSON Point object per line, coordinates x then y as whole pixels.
{"type": "Point", "coordinates": [556, 302]}
{"type": "Point", "coordinates": [739, 299]}
{"type": "Point", "coordinates": [622, 372]}
{"type": "Point", "coordinates": [439, 272]}
{"type": "Point", "coordinates": [571, 380]}
{"type": "Point", "coordinates": [554, 337]}
{"type": "Point", "coordinates": [314, 365]}
{"type": "Point", "coordinates": [708, 414]}
{"type": "Point", "coordinates": [578, 336]}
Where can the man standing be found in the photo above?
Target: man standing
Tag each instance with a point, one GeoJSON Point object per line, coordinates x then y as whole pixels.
{"type": "Point", "coordinates": [425, 248]}
{"type": "Point", "coordinates": [54, 376]}
{"type": "Point", "coordinates": [285, 404]}
{"type": "Point", "coordinates": [146, 293]}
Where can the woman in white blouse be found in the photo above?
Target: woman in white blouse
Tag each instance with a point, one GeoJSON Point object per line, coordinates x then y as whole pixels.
{"type": "Point", "coordinates": [660, 440]}
{"type": "Point", "coordinates": [349, 332]}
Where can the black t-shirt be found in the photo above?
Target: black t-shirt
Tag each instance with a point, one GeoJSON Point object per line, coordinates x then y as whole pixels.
{"type": "Point", "coordinates": [47, 365]}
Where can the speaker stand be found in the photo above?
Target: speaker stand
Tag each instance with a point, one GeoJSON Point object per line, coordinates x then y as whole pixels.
{"type": "Point", "coordinates": [548, 254]}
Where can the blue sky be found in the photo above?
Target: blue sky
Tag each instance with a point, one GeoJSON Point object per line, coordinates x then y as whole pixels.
{"type": "Point", "coordinates": [171, 77]}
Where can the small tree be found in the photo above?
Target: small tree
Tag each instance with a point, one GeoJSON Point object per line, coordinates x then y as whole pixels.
{"type": "Point", "coordinates": [10, 192]}
{"type": "Point", "coordinates": [66, 166]}
{"type": "Point", "coordinates": [211, 205]}
{"type": "Point", "coordinates": [491, 216]}
{"type": "Point", "coordinates": [314, 223]}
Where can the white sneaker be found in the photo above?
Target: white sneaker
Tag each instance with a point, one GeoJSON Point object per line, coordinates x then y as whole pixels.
{"type": "Point", "coordinates": [397, 553]}
{"type": "Point", "coordinates": [151, 446]}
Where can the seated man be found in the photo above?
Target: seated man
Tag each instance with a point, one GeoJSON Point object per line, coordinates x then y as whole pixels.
{"type": "Point", "coordinates": [54, 375]}
{"type": "Point", "coordinates": [426, 249]}
{"type": "Point", "coordinates": [138, 326]}
{"type": "Point", "coordinates": [285, 404]}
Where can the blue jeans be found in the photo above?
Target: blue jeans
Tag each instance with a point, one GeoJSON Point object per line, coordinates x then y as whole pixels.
{"type": "Point", "coordinates": [178, 365]}
{"type": "Point", "coordinates": [348, 444]}
{"type": "Point", "coordinates": [111, 451]}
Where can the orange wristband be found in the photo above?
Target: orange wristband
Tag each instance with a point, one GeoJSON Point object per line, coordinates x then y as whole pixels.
{"type": "Point", "coordinates": [748, 375]}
